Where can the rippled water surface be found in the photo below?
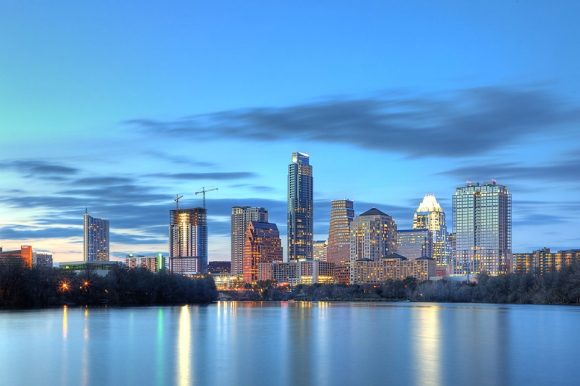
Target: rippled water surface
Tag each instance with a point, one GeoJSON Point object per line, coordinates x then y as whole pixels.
{"type": "Point", "coordinates": [298, 343]}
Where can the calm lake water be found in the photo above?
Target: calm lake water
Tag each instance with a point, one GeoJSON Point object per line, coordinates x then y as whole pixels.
{"type": "Point", "coordinates": [271, 343]}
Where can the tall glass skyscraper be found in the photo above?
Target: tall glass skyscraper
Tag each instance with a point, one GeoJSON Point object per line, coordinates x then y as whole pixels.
{"type": "Point", "coordinates": [430, 215]}
{"type": "Point", "coordinates": [188, 241]}
{"type": "Point", "coordinates": [482, 223]}
{"type": "Point", "coordinates": [300, 208]}
{"type": "Point", "coordinates": [241, 217]}
{"type": "Point", "coordinates": [96, 239]}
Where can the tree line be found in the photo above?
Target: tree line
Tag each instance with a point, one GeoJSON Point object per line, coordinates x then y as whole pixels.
{"type": "Point", "coordinates": [559, 287]}
{"type": "Point", "coordinates": [42, 287]}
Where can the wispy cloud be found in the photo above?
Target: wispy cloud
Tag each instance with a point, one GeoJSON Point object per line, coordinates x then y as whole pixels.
{"type": "Point", "coordinates": [456, 124]}
{"type": "Point", "coordinates": [39, 169]}
{"type": "Point", "coordinates": [204, 176]}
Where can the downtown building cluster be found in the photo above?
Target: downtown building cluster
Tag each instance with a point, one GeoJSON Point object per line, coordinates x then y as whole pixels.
{"type": "Point", "coordinates": [369, 248]}
{"type": "Point", "coordinates": [360, 249]}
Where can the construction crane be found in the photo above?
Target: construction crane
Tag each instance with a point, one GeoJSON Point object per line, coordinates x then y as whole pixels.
{"type": "Point", "coordinates": [176, 199]}
{"type": "Point", "coordinates": [203, 191]}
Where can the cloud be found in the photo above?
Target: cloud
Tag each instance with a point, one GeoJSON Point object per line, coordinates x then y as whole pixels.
{"type": "Point", "coordinates": [40, 169]}
{"type": "Point", "coordinates": [456, 124]}
{"type": "Point", "coordinates": [204, 176]}
{"type": "Point", "coordinates": [16, 232]}
{"type": "Point", "coordinates": [100, 181]}
{"type": "Point", "coordinates": [566, 170]}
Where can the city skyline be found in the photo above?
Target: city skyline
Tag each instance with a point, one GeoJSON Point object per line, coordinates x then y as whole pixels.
{"type": "Point", "coordinates": [120, 108]}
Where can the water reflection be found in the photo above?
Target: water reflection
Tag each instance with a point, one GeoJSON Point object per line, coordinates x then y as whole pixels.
{"type": "Point", "coordinates": [64, 322]}
{"type": "Point", "coordinates": [160, 367]}
{"type": "Point", "coordinates": [184, 348]}
{"type": "Point", "coordinates": [426, 340]}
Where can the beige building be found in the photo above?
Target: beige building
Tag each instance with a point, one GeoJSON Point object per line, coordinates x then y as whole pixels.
{"type": "Point", "coordinates": [543, 261]}
{"type": "Point", "coordinates": [391, 267]}
{"type": "Point", "coordinates": [298, 272]}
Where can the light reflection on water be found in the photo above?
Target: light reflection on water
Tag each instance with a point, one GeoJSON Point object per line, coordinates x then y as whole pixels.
{"type": "Point", "coordinates": [292, 343]}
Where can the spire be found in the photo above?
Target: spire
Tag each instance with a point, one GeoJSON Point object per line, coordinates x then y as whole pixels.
{"type": "Point", "coordinates": [429, 204]}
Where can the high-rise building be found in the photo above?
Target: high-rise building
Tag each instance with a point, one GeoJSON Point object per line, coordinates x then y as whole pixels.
{"type": "Point", "coordinates": [373, 235]}
{"type": "Point", "coordinates": [241, 217]}
{"type": "Point", "coordinates": [188, 241]}
{"type": "Point", "coordinates": [96, 239]}
{"type": "Point", "coordinates": [482, 223]}
{"type": "Point", "coordinates": [300, 208]}
{"type": "Point", "coordinates": [430, 215]}
{"type": "Point", "coordinates": [341, 216]}
{"type": "Point", "coordinates": [262, 245]}
{"type": "Point", "coordinates": [415, 243]}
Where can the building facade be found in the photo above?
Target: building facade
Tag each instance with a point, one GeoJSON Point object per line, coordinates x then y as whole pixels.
{"type": "Point", "coordinates": [482, 223]}
{"type": "Point", "coordinates": [392, 267]}
{"type": "Point", "coordinates": [241, 217]}
{"type": "Point", "coordinates": [42, 259]}
{"type": "Point", "coordinates": [262, 245]}
{"type": "Point", "coordinates": [300, 208]}
{"type": "Point", "coordinates": [338, 250]}
{"type": "Point", "coordinates": [543, 261]}
{"type": "Point", "coordinates": [319, 250]}
{"type": "Point", "coordinates": [305, 272]}
{"type": "Point", "coordinates": [373, 235]}
{"type": "Point", "coordinates": [19, 257]}
{"type": "Point", "coordinates": [188, 241]}
{"type": "Point", "coordinates": [415, 243]}
{"type": "Point", "coordinates": [96, 239]}
{"type": "Point", "coordinates": [429, 215]}
{"type": "Point", "coordinates": [151, 263]}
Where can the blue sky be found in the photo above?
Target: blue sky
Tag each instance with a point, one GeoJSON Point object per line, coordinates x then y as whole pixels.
{"type": "Point", "coordinates": [118, 107]}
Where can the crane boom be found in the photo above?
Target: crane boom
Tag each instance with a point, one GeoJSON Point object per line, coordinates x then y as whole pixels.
{"type": "Point", "coordinates": [203, 191]}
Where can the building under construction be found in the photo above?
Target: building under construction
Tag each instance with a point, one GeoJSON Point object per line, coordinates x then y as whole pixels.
{"type": "Point", "coordinates": [188, 241]}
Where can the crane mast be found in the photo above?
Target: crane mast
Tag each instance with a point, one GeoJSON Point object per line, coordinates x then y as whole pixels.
{"type": "Point", "coordinates": [203, 191]}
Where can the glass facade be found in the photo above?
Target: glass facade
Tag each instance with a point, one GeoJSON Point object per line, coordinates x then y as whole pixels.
{"type": "Point", "coordinates": [300, 208]}
{"type": "Point", "coordinates": [482, 223]}
{"type": "Point", "coordinates": [429, 215]}
{"type": "Point", "coordinates": [188, 239]}
{"type": "Point", "coordinates": [241, 217]}
{"type": "Point", "coordinates": [262, 245]}
{"type": "Point", "coordinates": [96, 239]}
{"type": "Point", "coordinates": [341, 216]}
{"type": "Point", "coordinates": [415, 243]}
{"type": "Point", "coordinates": [373, 235]}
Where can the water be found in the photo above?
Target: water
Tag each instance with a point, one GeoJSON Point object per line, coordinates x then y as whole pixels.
{"type": "Point", "coordinates": [292, 344]}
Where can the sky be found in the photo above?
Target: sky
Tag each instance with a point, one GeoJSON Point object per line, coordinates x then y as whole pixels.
{"type": "Point", "coordinates": [119, 106]}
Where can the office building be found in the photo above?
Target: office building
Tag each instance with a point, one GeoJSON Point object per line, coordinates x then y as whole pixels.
{"type": "Point", "coordinates": [482, 223]}
{"type": "Point", "coordinates": [241, 217]}
{"type": "Point", "coordinates": [262, 245]}
{"type": "Point", "coordinates": [96, 239]}
{"type": "Point", "coordinates": [429, 215]}
{"type": "Point", "coordinates": [305, 272]}
{"type": "Point", "coordinates": [151, 263]}
{"type": "Point", "coordinates": [392, 267]}
{"type": "Point", "coordinates": [373, 235]}
{"type": "Point", "coordinates": [42, 259]}
{"type": "Point", "coordinates": [338, 250]}
{"type": "Point", "coordinates": [219, 267]}
{"type": "Point", "coordinates": [319, 250]}
{"type": "Point", "coordinates": [300, 208]}
{"type": "Point", "coordinates": [543, 261]}
{"type": "Point", "coordinates": [188, 241]}
{"type": "Point", "coordinates": [415, 243]}
{"type": "Point", "coordinates": [19, 257]}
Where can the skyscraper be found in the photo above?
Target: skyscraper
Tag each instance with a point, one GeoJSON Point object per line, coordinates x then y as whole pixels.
{"type": "Point", "coordinates": [262, 244]}
{"type": "Point", "coordinates": [96, 239]}
{"type": "Point", "coordinates": [338, 250]}
{"type": "Point", "coordinates": [241, 217]}
{"type": "Point", "coordinates": [373, 236]}
{"type": "Point", "coordinates": [341, 216]}
{"type": "Point", "coordinates": [482, 223]}
{"type": "Point", "coordinates": [300, 207]}
{"type": "Point", "coordinates": [188, 241]}
{"type": "Point", "coordinates": [430, 215]}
